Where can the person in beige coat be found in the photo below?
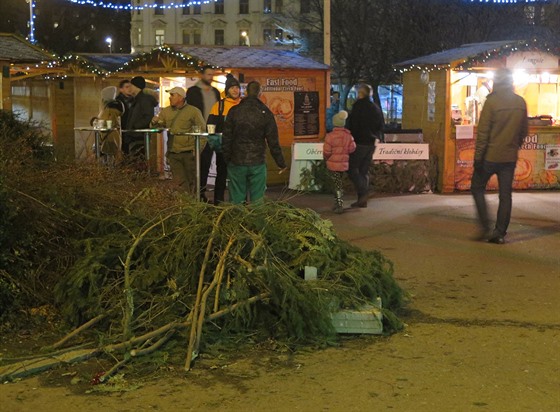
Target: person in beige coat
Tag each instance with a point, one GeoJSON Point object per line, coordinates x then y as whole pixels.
{"type": "Point", "coordinates": [503, 126]}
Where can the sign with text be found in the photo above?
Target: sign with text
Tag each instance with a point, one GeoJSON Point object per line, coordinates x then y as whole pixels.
{"type": "Point", "coordinates": [532, 60]}
{"type": "Point", "coordinates": [294, 102]}
{"type": "Point", "coordinates": [308, 151]}
{"type": "Point", "coordinates": [401, 151]}
{"type": "Point", "coordinates": [536, 166]}
{"type": "Point", "coordinates": [306, 114]}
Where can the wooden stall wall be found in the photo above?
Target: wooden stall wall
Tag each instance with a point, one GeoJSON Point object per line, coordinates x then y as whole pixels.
{"type": "Point", "coordinates": [63, 118]}
{"type": "Point", "coordinates": [87, 104]}
{"type": "Point", "coordinates": [436, 129]}
{"type": "Point", "coordinates": [282, 104]}
{"type": "Point", "coordinates": [31, 99]}
{"type": "Point", "coordinates": [5, 87]}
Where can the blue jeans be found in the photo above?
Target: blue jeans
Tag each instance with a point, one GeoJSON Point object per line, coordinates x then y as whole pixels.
{"type": "Point", "coordinates": [358, 169]}
{"type": "Point", "coordinates": [480, 178]}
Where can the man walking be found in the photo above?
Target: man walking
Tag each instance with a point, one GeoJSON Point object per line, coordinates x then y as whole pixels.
{"type": "Point", "coordinates": [180, 117]}
{"type": "Point", "coordinates": [503, 126]}
{"type": "Point", "coordinates": [366, 125]}
{"type": "Point", "coordinates": [248, 129]}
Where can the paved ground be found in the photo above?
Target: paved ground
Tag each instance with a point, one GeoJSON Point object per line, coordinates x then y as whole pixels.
{"type": "Point", "coordinates": [483, 325]}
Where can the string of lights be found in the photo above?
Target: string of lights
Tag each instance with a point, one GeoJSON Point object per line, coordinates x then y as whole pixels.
{"type": "Point", "coordinates": [73, 64]}
{"type": "Point", "coordinates": [510, 1]}
{"type": "Point", "coordinates": [130, 6]}
{"type": "Point", "coordinates": [533, 45]}
{"type": "Point", "coordinates": [481, 58]}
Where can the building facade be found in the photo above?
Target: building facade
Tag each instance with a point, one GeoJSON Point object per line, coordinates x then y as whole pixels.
{"type": "Point", "coordinates": [269, 23]}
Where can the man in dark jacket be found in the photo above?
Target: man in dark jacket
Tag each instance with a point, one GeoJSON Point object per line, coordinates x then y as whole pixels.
{"type": "Point", "coordinates": [125, 97]}
{"type": "Point", "coordinates": [203, 96]}
{"type": "Point", "coordinates": [248, 129]}
{"type": "Point", "coordinates": [366, 125]}
{"type": "Point", "coordinates": [502, 128]}
{"type": "Point", "coordinates": [140, 116]}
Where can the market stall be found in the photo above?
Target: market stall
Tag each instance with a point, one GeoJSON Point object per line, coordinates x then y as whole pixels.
{"type": "Point", "coordinates": [444, 94]}
{"type": "Point", "coordinates": [295, 88]}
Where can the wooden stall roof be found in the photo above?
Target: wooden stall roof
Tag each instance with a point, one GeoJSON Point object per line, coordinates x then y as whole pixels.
{"type": "Point", "coordinates": [251, 58]}
{"type": "Point", "coordinates": [180, 59]}
{"type": "Point", "coordinates": [15, 49]}
{"type": "Point", "coordinates": [106, 62]}
{"type": "Point", "coordinates": [470, 55]}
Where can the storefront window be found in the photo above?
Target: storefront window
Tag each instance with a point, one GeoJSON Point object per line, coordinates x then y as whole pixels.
{"type": "Point", "coordinates": [469, 90]}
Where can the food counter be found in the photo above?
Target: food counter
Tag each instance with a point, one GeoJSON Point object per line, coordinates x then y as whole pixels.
{"type": "Point", "coordinates": [538, 166]}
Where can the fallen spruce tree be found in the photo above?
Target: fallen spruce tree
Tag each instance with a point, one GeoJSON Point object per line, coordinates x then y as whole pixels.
{"type": "Point", "coordinates": [133, 269]}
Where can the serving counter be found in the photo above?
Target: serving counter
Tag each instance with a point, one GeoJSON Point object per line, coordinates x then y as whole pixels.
{"type": "Point", "coordinates": [538, 166]}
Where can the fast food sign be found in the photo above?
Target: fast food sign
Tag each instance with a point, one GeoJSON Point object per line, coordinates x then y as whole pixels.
{"type": "Point", "coordinates": [538, 164]}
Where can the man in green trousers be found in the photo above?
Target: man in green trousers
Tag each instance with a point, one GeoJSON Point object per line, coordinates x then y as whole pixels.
{"type": "Point", "coordinates": [249, 128]}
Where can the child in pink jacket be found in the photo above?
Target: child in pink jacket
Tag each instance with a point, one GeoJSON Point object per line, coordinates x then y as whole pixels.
{"type": "Point", "coordinates": [336, 151]}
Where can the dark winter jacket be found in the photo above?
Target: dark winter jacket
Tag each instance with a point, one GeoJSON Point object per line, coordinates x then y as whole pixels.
{"type": "Point", "coordinates": [194, 97]}
{"type": "Point", "coordinates": [127, 102]}
{"type": "Point", "coordinates": [249, 127]}
{"type": "Point", "coordinates": [502, 127]}
{"type": "Point", "coordinates": [141, 111]}
{"type": "Point", "coordinates": [365, 122]}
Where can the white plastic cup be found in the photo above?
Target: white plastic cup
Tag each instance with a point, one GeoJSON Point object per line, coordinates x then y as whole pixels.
{"type": "Point", "coordinates": [101, 124]}
{"type": "Point", "coordinates": [109, 124]}
{"type": "Point", "coordinates": [196, 129]}
{"type": "Point", "coordinates": [211, 128]}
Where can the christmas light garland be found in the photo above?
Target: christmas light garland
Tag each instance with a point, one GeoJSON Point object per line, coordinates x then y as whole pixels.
{"type": "Point", "coordinates": [481, 58]}
{"type": "Point", "coordinates": [130, 6]}
{"type": "Point", "coordinates": [511, 1]}
{"type": "Point", "coordinates": [505, 51]}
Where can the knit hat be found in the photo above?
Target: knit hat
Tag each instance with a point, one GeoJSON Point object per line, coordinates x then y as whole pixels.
{"type": "Point", "coordinates": [177, 90]}
{"type": "Point", "coordinates": [108, 94]}
{"type": "Point", "coordinates": [339, 119]}
{"type": "Point", "coordinates": [139, 82]}
{"type": "Point", "coordinates": [231, 82]}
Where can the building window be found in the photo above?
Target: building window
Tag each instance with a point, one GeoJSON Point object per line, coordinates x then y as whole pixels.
{"type": "Point", "coordinates": [160, 37]}
{"type": "Point", "coordinates": [139, 33]}
{"type": "Point", "coordinates": [138, 11]}
{"type": "Point", "coordinates": [197, 9]}
{"type": "Point", "coordinates": [267, 35]}
{"type": "Point", "coordinates": [219, 7]}
{"type": "Point", "coordinates": [186, 7]}
{"type": "Point", "coordinates": [191, 37]}
{"type": "Point", "coordinates": [279, 35]}
{"type": "Point", "coordinates": [244, 38]}
{"type": "Point", "coordinates": [196, 37]}
{"type": "Point", "coordinates": [243, 6]}
{"type": "Point", "coordinates": [267, 6]}
{"type": "Point", "coordinates": [305, 6]}
{"type": "Point", "coordinates": [219, 37]}
{"type": "Point", "coordinates": [279, 6]}
{"type": "Point", "coordinates": [159, 7]}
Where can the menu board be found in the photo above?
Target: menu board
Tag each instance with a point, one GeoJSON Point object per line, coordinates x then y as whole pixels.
{"type": "Point", "coordinates": [306, 114]}
{"type": "Point", "coordinates": [295, 114]}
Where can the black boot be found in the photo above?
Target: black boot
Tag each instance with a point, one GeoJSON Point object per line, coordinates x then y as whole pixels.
{"type": "Point", "coordinates": [339, 207]}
